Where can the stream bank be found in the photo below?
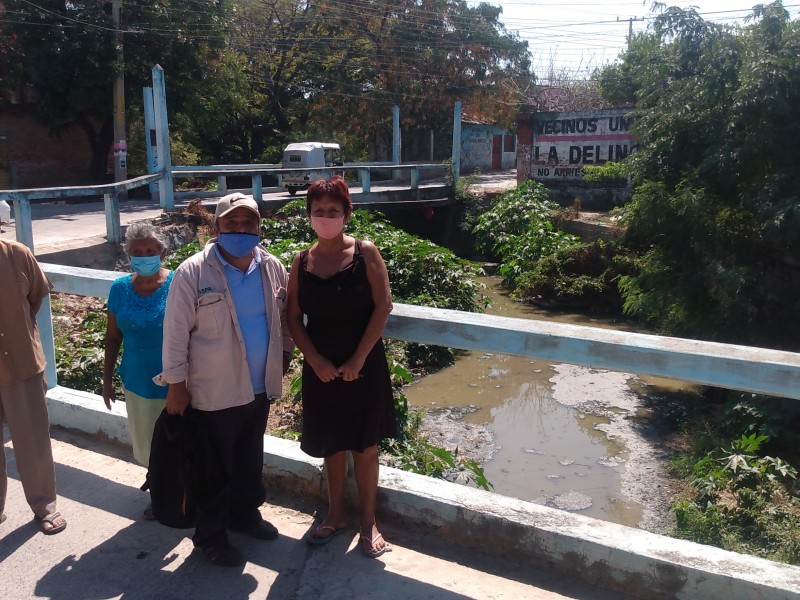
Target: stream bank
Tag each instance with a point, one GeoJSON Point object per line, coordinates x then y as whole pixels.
{"type": "Point", "coordinates": [561, 435]}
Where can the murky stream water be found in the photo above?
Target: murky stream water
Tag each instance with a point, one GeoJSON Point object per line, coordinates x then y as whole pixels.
{"type": "Point", "coordinates": [563, 435]}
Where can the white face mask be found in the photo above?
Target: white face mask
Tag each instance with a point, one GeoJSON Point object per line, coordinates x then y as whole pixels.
{"type": "Point", "coordinates": [327, 228]}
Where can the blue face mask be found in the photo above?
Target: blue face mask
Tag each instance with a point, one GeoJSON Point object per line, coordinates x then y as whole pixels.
{"type": "Point", "coordinates": [145, 265]}
{"type": "Point", "coordinates": [238, 244]}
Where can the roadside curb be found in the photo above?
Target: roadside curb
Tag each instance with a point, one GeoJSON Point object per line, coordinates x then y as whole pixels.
{"type": "Point", "coordinates": [600, 553]}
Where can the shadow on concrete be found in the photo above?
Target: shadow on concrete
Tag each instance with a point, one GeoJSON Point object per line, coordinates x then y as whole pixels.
{"type": "Point", "coordinates": [139, 562]}
{"type": "Point", "coordinates": [143, 560]}
{"type": "Point", "coordinates": [16, 539]}
{"type": "Point", "coordinates": [426, 541]}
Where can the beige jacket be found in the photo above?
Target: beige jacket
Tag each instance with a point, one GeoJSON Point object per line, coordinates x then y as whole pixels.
{"type": "Point", "coordinates": [203, 344]}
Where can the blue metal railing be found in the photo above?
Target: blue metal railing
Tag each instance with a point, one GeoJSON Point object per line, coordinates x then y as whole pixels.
{"type": "Point", "coordinates": [757, 370]}
{"type": "Point", "coordinates": [22, 199]}
{"type": "Point", "coordinates": [258, 172]}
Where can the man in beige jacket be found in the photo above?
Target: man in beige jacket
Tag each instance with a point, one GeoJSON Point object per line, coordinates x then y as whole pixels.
{"type": "Point", "coordinates": [226, 349]}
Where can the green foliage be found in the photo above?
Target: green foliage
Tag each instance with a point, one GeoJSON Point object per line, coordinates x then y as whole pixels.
{"type": "Point", "coordinates": [698, 525]}
{"type": "Point", "coordinates": [70, 69]}
{"type": "Point", "coordinates": [519, 230]}
{"type": "Point", "coordinates": [609, 172]}
{"type": "Point", "coordinates": [419, 456]}
{"type": "Point", "coordinates": [583, 276]}
{"type": "Point", "coordinates": [80, 354]}
{"type": "Point", "coordinates": [715, 218]}
{"type": "Point", "coordinates": [743, 493]}
{"type": "Point", "coordinates": [181, 254]}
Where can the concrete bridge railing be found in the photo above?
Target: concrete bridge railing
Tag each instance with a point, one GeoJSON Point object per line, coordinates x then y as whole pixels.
{"type": "Point", "coordinates": [607, 555]}
{"type": "Point", "coordinates": [744, 368]}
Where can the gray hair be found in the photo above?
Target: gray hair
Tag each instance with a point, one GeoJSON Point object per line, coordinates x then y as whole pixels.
{"type": "Point", "coordinates": [144, 231]}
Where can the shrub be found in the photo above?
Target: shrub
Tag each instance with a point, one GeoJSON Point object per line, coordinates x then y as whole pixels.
{"type": "Point", "coordinates": [742, 495]}
{"type": "Point", "coordinates": [581, 276]}
{"type": "Point", "coordinates": [519, 231]}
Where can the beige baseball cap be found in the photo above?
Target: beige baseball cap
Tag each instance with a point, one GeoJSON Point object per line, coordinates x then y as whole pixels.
{"type": "Point", "coordinates": [231, 202]}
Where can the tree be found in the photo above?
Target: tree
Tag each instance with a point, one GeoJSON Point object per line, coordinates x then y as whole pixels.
{"type": "Point", "coordinates": [339, 67]}
{"type": "Point", "coordinates": [715, 217]}
{"type": "Point", "coordinates": [422, 56]}
{"type": "Point", "coordinates": [67, 55]}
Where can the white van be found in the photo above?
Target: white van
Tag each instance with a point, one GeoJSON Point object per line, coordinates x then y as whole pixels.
{"type": "Point", "coordinates": [308, 155]}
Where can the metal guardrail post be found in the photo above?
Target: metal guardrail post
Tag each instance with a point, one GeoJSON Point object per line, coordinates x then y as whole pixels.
{"type": "Point", "coordinates": [415, 178]}
{"type": "Point", "coordinates": [364, 176]}
{"type": "Point", "coordinates": [257, 188]}
{"type": "Point", "coordinates": [44, 320]}
{"type": "Point", "coordinates": [113, 226]}
{"type": "Point", "coordinates": [222, 184]}
{"type": "Point", "coordinates": [150, 142]}
{"type": "Point", "coordinates": [24, 222]}
{"type": "Point", "coordinates": [165, 185]}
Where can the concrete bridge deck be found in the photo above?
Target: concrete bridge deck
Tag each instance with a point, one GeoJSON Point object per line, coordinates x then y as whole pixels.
{"type": "Point", "coordinates": [108, 551]}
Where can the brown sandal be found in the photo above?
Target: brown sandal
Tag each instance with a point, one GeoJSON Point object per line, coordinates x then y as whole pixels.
{"type": "Point", "coordinates": [51, 520]}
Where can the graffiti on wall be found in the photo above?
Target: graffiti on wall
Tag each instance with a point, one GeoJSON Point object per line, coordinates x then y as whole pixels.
{"type": "Point", "coordinates": [561, 144]}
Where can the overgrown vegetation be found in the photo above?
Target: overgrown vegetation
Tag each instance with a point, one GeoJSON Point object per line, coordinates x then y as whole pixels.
{"type": "Point", "coordinates": [582, 276]}
{"type": "Point", "coordinates": [519, 230]}
{"type": "Point", "coordinates": [715, 217]}
{"type": "Point", "coordinates": [609, 172]}
{"type": "Point", "coordinates": [711, 241]}
{"type": "Point", "coordinates": [742, 495]}
{"type": "Point", "coordinates": [79, 334]}
{"type": "Point", "coordinates": [708, 250]}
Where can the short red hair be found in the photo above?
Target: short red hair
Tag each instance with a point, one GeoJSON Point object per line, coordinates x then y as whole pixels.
{"type": "Point", "coordinates": [335, 187]}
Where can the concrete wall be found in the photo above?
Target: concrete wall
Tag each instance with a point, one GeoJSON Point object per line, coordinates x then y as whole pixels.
{"type": "Point", "coordinates": [476, 148]}
{"type": "Point", "coordinates": [554, 147]}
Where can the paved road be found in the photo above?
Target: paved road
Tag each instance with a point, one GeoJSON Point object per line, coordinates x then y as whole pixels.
{"type": "Point", "coordinates": [107, 551]}
{"type": "Point", "coordinates": [60, 226]}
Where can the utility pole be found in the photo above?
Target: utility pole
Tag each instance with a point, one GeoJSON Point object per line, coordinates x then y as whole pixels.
{"type": "Point", "coordinates": [630, 25]}
{"type": "Point", "coordinates": [120, 139]}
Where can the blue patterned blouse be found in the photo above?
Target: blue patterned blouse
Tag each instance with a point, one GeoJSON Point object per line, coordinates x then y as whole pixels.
{"type": "Point", "coordinates": [140, 319]}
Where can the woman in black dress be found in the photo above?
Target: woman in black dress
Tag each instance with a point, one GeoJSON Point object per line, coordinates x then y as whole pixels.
{"type": "Point", "coordinates": [341, 285]}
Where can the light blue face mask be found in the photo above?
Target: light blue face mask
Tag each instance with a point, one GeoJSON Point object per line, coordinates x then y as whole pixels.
{"type": "Point", "coordinates": [238, 244]}
{"type": "Point", "coordinates": [145, 265]}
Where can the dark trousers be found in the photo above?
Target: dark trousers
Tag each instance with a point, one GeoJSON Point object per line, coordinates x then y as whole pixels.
{"type": "Point", "coordinates": [229, 454]}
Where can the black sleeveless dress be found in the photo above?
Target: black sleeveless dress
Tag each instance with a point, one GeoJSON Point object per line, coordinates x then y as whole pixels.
{"type": "Point", "coordinates": [343, 415]}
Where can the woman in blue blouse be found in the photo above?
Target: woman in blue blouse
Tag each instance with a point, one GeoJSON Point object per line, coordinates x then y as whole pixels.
{"type": "Point", "coordinates": [136, 306]}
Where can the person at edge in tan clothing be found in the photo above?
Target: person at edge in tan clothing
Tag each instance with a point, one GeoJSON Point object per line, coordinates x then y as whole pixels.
{"type": "Point", "coordinates": [23, 387]}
